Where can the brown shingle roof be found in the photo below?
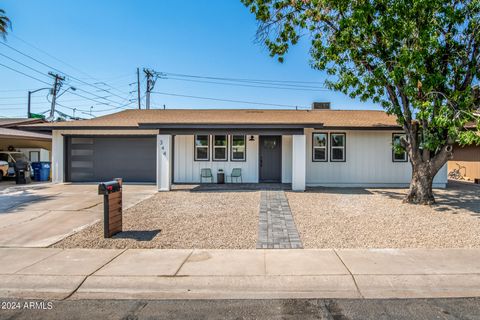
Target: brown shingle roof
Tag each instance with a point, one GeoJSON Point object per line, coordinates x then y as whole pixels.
{"type": "Point", "coordinates": [13, 122]}
{"type": "Point", "coordinates": [329, 118]}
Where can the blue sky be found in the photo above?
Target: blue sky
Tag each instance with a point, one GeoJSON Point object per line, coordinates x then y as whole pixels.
{"type": "Point", "coordinates": [105, 41]}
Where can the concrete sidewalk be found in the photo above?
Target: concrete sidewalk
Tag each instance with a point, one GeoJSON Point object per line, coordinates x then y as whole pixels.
{"type": "Point", "coordinates": [238, 274]}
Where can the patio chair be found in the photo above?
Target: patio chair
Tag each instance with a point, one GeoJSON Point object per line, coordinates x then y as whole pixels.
{"type": "Point", "coordinates": [236, 174]}
{"type": "Point", "coordinates": [206, 173]}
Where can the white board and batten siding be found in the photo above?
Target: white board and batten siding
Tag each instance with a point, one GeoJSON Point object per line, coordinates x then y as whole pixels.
{"type": "Point", "coordinates": [368, 163]}
{"type": "Point", "coordinates": [187, 170]}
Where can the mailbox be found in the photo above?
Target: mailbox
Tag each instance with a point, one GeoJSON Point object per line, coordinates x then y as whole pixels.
{"type": "Point", "coordinates": [106, 188]}
{"type": "Point", "coordinates": [112, 206]}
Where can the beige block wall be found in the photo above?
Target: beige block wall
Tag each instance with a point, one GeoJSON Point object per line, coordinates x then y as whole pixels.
{"type": "Point", "coordinates": [468, 158]}
{"type": "Point", "coordinates": [470, 169]}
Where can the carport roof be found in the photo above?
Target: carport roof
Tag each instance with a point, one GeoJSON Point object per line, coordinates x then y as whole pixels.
{"type": "Point", "coordinates": [188, 118]}
{"type": "Point", "coordinates": [20, 134]}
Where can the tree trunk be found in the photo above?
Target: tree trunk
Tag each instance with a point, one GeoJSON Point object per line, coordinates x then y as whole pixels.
{"type": "Point", "coordinates": [423, 172]}
{"type": "Point", "coordinates": [420, 191]}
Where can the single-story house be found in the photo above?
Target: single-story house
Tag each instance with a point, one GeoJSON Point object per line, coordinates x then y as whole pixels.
{"type": "Point", "coordinates": [338, 148]}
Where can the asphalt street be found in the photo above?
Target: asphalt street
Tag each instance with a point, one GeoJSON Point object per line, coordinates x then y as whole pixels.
{"type": "Point", "coordinates": [341, 309]}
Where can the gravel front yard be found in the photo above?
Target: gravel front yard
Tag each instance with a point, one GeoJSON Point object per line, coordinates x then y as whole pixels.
{"type": "Point", "coordinates": [377, 218]}
{"type": "Point", "coordinates": [180, 220]}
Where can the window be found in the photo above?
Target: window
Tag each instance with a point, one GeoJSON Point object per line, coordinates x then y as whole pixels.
{"type": "Point", "coordinates": [202, 147]}
{"type": "Point", "coordinates": [398, 153]}
{"type": "Point", "coordinates": [220, 148]}
{"type": "Point", "coordinates": [238, 146]}
{"type": "Point", "coordinates": [337, 147]}
{"type": "Point", "coordinates": [319, 143]}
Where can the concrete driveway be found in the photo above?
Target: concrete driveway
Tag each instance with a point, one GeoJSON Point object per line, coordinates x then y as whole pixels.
{"type": "Point", "coordinates": [41, 215]}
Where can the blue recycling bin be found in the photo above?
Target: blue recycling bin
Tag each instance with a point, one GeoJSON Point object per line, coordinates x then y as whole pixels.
{"type": "Point", "coordinates": [36, 166]}
{"type": "Point", "coordinates": [41, 171]}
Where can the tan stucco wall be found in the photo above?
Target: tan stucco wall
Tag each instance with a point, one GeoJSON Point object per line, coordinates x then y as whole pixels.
{"type": "Point", "coordinates": [468, 157]}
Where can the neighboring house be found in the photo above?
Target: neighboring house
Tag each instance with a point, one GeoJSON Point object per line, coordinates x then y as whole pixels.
{"type": "Point", "coordinates": [35, 145]}
{"type": "Point", "coordinates": [303, 147]}
{"type": "Point", "coordinates": [467, 160]}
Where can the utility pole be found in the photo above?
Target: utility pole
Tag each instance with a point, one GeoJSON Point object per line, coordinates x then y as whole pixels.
{"type": "Point", "coordinates": [56, 88]}
{"type": "Point", "coordinates": [138, 89]}
{"type": "Point", "coordinates": [29, 104]}
{"type": "Point", "coordinates": [151, 78]}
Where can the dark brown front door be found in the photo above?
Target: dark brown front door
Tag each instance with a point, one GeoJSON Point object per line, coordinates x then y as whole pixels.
{"type": "Point", "coordinates": [270, 158]}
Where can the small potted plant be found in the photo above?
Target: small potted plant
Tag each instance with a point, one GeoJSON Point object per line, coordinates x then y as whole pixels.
{"type": "Point", "coordinates": [220, 176]}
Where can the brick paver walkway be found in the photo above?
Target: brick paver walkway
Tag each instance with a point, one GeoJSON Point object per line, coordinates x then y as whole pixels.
{"type": "Point", "coordinates": [276, 228]}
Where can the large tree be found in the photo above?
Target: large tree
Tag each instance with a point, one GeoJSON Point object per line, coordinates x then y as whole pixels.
{"type": "Point", "coordinates": [419, 59]}
{"type": "Point", "coordinates": [4, 24]}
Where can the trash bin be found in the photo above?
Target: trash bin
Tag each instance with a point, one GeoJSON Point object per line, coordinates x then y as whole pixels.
{"type": "Point", "coordinates": [41, 171]}
{"type": "Point", "coordinates": [36, 166]}
{"type": "Point", "coordinates": [44, 171]}
{"type": "Point", "coordinates": [22, 172]}
{"type": "Point", "coordinates": [220, 177]}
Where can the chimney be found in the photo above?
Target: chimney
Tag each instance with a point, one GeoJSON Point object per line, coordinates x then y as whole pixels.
{"type": "Point", "coordinates": [320, 105]}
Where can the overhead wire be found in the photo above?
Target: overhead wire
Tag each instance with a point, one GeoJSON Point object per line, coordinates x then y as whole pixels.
{"type": "Point", "coordinates": [226, 100]}
{"type": "Point", "coordinates": [62, 72]}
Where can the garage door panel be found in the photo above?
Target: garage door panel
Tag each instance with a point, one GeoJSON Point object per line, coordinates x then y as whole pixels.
{"type": "Point", "coordinates": [104, 158]}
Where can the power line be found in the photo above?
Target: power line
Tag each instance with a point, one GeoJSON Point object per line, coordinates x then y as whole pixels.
{"type": "Point", "coordinates": [15, 90]}
{"type": "Point", "coordinates": [247, 85]}
{"type": "Point", "coordinates": [239, 79]}
{"type": "Point", "coordinates": [14, 98]}
{"type": "Point", "coordinates": [22, 64]}
{"type": "Point", "coordinates": [70, 76]}
{"type": "Point", "coordinates": [79, 89]}
{"type": "Point", "coordinates": [61, 61]}
{"type": "Point", "coordinates": [104, 110]}
{"type": "Point", "coordinates": [226, 100]}
{"type": "Point", "coordinates": [51, 56]}
{"type": "Point", "coordinates": [27, 75]}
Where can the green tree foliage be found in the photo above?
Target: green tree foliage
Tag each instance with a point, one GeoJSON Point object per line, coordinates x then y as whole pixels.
{"type": "Point", "coordinates": [419, 59]}
{"type": "Point", "coordinates": [5, 24]}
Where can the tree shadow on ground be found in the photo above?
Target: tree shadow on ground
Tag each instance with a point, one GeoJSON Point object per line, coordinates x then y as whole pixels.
{"type": "Point", "coordinates": [457, 196]}
{"type": "Point", "coordinates": [338, 190]}
{"type": "Point", "coordinates": [138, 235]}
{"type": "Point", "coordinates": [16, 202]}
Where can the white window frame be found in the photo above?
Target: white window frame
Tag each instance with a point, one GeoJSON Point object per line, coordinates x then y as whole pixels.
{"type": "Point", "coordinates": [344, 147]}
{"type": "Point", "coordinates": [325, 147]}
{"type": "Point", "coordinates": [244, 147]}
{"type": "Point", "coordinates": [214, 147]}
{"type": "Point", "coordinates": [405, 158]}
{"type": "Point", "coordinates": [200, 146]}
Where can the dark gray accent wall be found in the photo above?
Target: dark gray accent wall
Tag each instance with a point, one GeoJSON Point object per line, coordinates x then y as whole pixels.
{"type": "Point", "coordinates": [95, 159]}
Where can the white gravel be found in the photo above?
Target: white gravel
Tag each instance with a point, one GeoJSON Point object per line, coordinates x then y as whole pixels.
{"type": "Point", "coordinates": [377, 218]}
{"type": "Point", "coordinates": [179, 220]}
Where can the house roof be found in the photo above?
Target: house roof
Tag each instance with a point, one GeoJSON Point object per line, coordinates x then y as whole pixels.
{"type": "Point", "coordinates": [21, 134]}
{"type": "Point", "coordinates": [13, 122]}
{"type": "Point", "coordinates": [232, 118]}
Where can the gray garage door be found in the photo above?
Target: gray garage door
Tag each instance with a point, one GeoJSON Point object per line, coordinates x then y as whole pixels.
{"type": "Point", "coordinates": [94, 159]}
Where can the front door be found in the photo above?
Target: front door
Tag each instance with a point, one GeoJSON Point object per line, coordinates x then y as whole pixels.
{"type": "Point", "coordinates": [270, 158]}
